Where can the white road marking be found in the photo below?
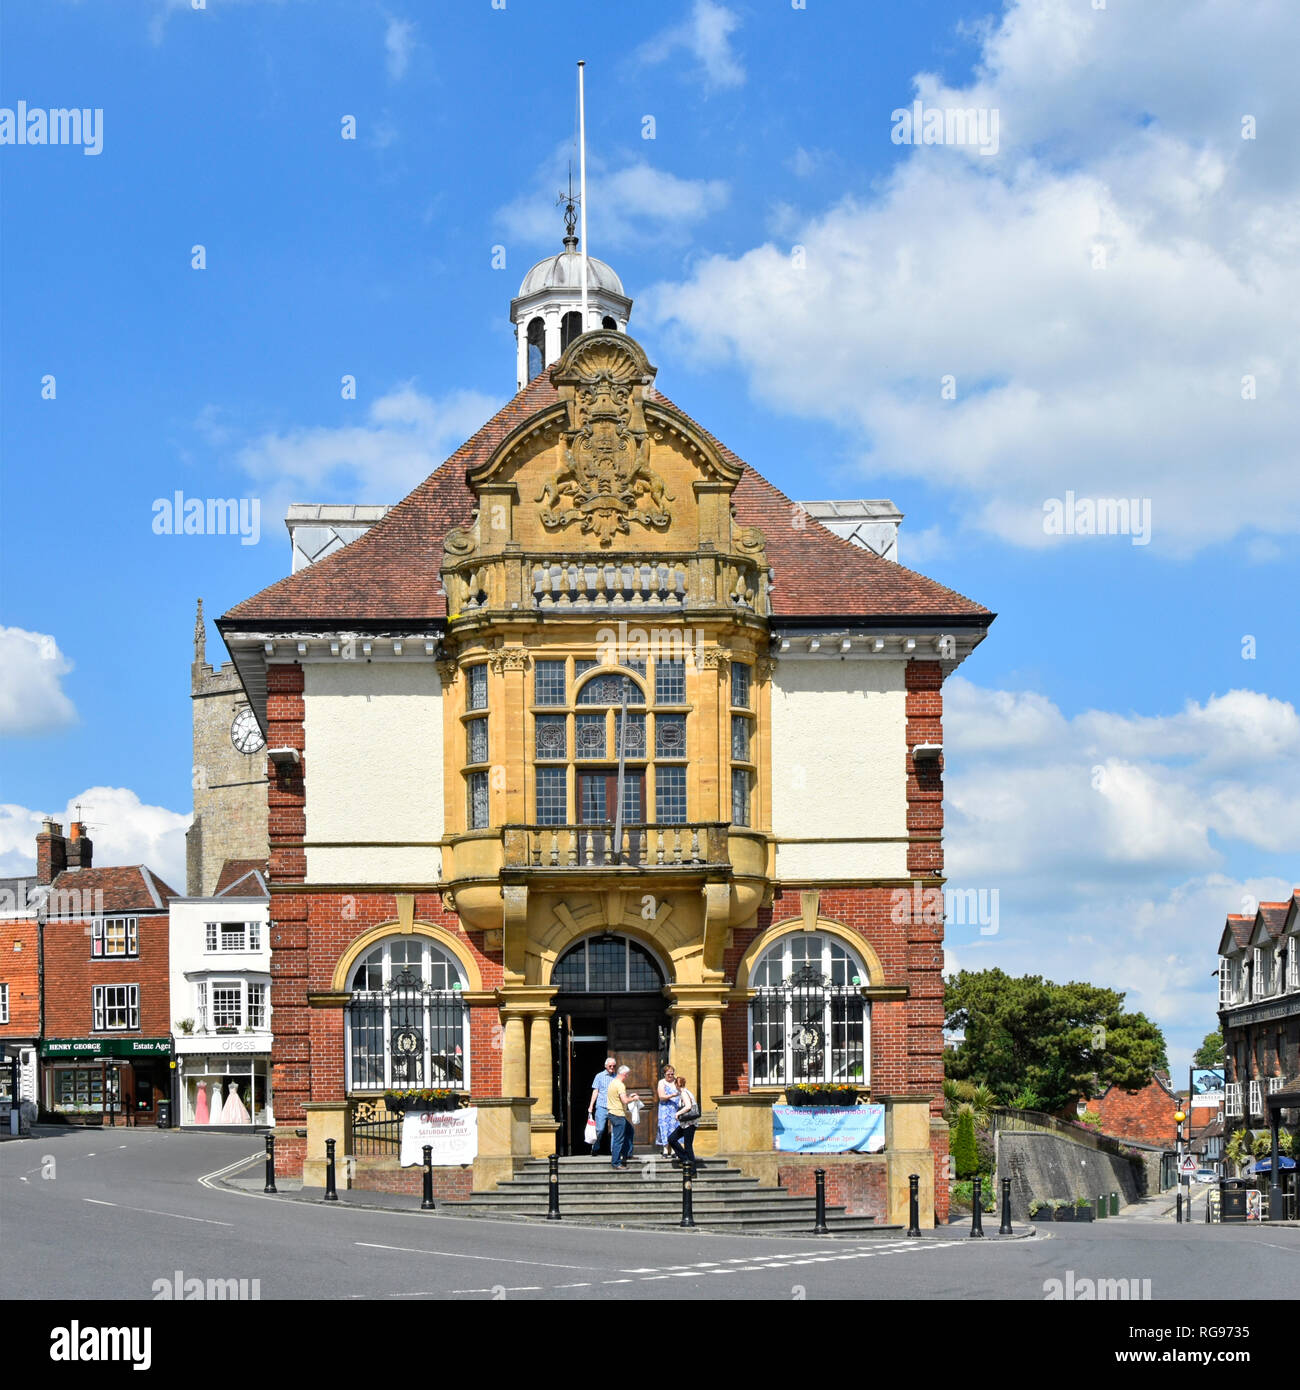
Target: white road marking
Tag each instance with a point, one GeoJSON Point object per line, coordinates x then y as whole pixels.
{"type": "Point", "coordinates": [457, 1255]}
{"type": "Point", "coordinates": [147, 1211]}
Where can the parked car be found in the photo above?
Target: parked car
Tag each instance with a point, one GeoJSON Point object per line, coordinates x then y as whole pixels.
{"type": "Point", "coordinates": [1206, 1175]}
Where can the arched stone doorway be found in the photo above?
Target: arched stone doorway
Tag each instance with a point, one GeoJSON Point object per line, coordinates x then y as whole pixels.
{"type": "Point", "coordinates": [609, 1002]}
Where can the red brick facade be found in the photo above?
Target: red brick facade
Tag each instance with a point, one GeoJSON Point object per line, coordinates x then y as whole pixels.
{"type": "Point", "coordinates": [1145, 1116]}
{"type": "Point", "coordinates": [20, 970]}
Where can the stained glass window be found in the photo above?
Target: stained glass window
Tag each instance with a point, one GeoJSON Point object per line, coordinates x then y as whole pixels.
{"type": "Point", "coordinates": [608, 690]}
{"type": "Point", "coordinates": [670, 735]}
{"type": "Point", "coordinates": [552, 736]}
{"type": "Point", "coordinates": [590, 736]}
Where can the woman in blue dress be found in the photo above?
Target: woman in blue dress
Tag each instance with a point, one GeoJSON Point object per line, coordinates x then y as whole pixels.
{"type": "Point", "coordinates": [667, 1113]}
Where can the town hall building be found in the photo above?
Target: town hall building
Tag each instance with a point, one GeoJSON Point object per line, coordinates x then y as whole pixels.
{"type": "Point", "coordinates": [597, 743]}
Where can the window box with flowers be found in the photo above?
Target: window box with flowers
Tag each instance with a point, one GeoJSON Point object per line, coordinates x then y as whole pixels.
{"type": "Point", "coordinates": [822, 1093]}
{"type": "Point", "coordinates": [398, 1102]}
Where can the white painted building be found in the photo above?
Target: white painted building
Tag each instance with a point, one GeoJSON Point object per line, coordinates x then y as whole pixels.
{"type": "Point", "coordinates": [220, 952]}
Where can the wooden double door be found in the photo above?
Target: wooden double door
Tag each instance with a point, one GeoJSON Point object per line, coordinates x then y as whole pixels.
{"type": "Point", "coordinates": [590, 1027]}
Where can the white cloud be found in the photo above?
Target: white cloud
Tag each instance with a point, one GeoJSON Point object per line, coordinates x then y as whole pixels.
{"type": "Point", "coordinates": [123, 829]}
{"type": "Point", "coordinates": [399, 42]}
{"type": "Point", "coordinates": [706, 36]}
{"type": "Point", "coordinates": [406, 436]}
{"type": "Point", "coordinates": [1123, 381]}
{"type": "Point", "coordinates": [632, 205]}
{"type": "Point", "coordinates": [32, 699]}
{"type": "Point", "coordinates": [1107, 837]}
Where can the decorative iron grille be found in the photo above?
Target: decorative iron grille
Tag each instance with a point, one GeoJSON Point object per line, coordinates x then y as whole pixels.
{"type": "Point", "coordinates": [808, 1029]}
{"type": "Point", "coordinates": [406, 1036]}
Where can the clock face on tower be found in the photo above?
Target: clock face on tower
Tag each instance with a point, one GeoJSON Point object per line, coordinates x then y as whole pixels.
{"type": "Point", "coordinates": [244, 733]}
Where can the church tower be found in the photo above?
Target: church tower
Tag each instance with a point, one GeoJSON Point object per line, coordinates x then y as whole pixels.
{"type": "Point", "coordinates": [228, 775]}
{"type": "Point", "coordinates": [547, 312]}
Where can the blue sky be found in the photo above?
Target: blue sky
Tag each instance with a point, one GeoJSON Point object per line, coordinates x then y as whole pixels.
{"type": "Point", "coordinates": [1117, 771]}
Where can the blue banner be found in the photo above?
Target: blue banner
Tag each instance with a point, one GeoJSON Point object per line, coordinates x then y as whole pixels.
{"type": "Point", "coordinates": [830, 1129]}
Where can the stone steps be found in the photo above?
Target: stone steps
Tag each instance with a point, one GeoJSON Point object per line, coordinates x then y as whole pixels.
{"type": "Point", "coordinates": [650, 1195]}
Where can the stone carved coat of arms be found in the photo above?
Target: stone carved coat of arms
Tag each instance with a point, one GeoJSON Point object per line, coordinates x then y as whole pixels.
{"type": "Point", "coordinates": [606, 481]}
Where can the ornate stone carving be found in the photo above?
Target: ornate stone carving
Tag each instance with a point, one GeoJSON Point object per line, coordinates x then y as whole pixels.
{"type": "Point", "coordinates": [606, 482]}
{"type": "Point", "coordinates": [764, 667]}
{"type": "Point", "coordinates": [509, 659]}
{"type": "Point", "coordinates": [714, 659]}
{"type": "Point", "coordinates": [448, 671]}
{"type": "Point", "coordinates": [460, 541]}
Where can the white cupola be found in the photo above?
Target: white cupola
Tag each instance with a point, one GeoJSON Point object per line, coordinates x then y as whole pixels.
{"type": "Point", "coordinates": [547, 312]}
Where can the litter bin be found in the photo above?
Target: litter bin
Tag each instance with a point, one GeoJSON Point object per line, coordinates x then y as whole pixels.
{"type": "Point", "coordinates": [1233, 1207]}
{"type": "Point", "coordinates": [165, 1116]}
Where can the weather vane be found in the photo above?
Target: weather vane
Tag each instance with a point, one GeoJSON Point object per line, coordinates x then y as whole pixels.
{"type": "Point", "coordinates": [569, 202]}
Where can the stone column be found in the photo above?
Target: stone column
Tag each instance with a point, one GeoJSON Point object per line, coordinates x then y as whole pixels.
{"type": "Point", "coordinates": [684, 1052]}
{"type": "Point", "coordinates": [540, 1080]}
{"type": "Point", "coordinates": [514, 1061]}
{"type": "Point", "coordinates": [710, 1060]}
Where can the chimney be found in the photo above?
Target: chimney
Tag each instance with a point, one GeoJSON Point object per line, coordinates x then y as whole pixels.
{"type": "Point", "coordinates": [51, 853]}
{"type": "Point", "coordinates": [80, 847]}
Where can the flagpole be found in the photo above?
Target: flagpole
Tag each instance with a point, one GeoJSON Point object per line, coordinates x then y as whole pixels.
{"type": "Point", "coordinates": [582, 187]}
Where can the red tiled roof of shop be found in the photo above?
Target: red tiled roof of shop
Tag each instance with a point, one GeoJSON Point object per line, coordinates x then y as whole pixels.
{"type": "Point", "coordinates": [391, 572]}
{"type": "Point", "coordinates": [1274, 915]}
{"type": "Point", "coordinates": [129, 888]}
{"type": "Point", "coordinates": [235, 871]}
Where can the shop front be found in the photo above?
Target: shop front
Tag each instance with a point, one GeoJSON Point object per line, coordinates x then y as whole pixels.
{"type": "Point", "coordinates": [224, 1082]}
{"type": "Point", "coordinates": [105, 1080]}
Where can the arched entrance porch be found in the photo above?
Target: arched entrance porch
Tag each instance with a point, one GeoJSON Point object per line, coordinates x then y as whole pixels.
{"type": "Point", "coordinates": [610, 1002]}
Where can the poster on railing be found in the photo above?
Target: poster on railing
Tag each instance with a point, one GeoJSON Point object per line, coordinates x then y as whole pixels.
{"type": "Point", "coordinates": [831, 1129]}
{"type": "Point", "coordinates": [451, 1134]}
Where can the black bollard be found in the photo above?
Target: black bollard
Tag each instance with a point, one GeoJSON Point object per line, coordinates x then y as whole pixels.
{"type": "Point", "coordinates": [688, 1200]}
{"type": "Point", "coordinates": [270, 1164]}
{"type": "Point", "coordinates": [914, 1204]}
{"type": "Point", "coordinates": [976, 1216]}
{"type": "Point", "coordinates": [1005, 1228]}
{"type": "Point", "coordinates": [1179, 1205]}
{"type": "Point", "coordinates": [553, 1188]}
{"type": "Point", "coordinates": [331, 1193]}
{"type": "Point", "coordinates": [820, 1228]}
{"type": "Point", "coordinates": [427, 1203]}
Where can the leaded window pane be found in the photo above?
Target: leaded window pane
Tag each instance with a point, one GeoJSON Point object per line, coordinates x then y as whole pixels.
{"type": "Point", "coordinates": [478, 687]}
{"type": "Point", "coordinates": [593, 801]}
{"type": "Point", "coordinates": [670, 682]}
{"type": "Point", "coordinates": [552, 797]}
{"type": "Point", "coordinates": [607, 966]}
{"type": "Point", "coordinates": [548, 686]}
{"type": "Point", "coordinates": [570, 972]}
{"type": "Point", "coordinates": [670, 735]}
{"type": "Point", "coordinates": [633, 734]}
{"type": "Point", "coordinates": [740, 798]}
{"type": "Point", "coordinates": [478, 801]}
{"type": "Point", "coordinates": [589, 735]}
{"type": "Point", "coordinates": [637, 665]}
{"type": "Point", "coordinates": [642, 972]}
{"type": "Point", "coordinates": [552, 736]}
{"type": "Point", "coordinates": [740, 685]}
{"type": "Point", "coordinates": [670, 795]}
{"type": "Point", "coordinates": [476, 735]}
{"type": "Point", "coordinates": [608, 690]}
{"type": "Point", "coordinates": [740, 735]}
{"type": "Point", "coordinates": [582, 665]}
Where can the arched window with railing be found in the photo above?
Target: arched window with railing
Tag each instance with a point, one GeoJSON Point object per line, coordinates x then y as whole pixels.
{"type": "Point", "coordinates": [808, 1019]}
{"type": "Point", "coordinates": [407, 1025]}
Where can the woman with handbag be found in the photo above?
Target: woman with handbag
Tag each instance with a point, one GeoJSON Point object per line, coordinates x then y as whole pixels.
{"type": "Point", "coordinates": [667, 1113]}
{"type": "Point", "coordinates": [682, 1140]}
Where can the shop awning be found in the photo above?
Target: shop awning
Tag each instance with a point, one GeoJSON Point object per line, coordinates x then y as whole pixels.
{"type": "Point", "coordinates": [1265, 1165]}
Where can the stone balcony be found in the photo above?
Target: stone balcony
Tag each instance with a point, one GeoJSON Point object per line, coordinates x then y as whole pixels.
{"type": "Point", "coordinates": [699, 845]}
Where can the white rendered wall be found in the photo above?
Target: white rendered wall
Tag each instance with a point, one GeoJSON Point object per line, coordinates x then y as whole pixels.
{"type": "Point", "coordinates": [839, 767]}
{"type": "Point", "coordinates": [188, 959]}
{"type": "Point", "coordinates": [374, 771]}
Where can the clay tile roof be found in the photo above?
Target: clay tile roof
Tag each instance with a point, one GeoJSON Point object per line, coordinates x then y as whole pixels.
{"type": "Point", "coordinates": [242, 878]}
{"type": "Point", "coordinates": [1240, 927]}
{"type": "Point", "coordinates": [131, 888]}
{"type": "Point", "coordinates": [1274, 915]}
{"type": "Point", "coordinates": [390, 574]}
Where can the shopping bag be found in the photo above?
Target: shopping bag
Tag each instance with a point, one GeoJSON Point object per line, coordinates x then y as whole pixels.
{"type": "Point", "coordinates": [634, 1110]}
{"type": "Point", "coordinates": [589, 1134]}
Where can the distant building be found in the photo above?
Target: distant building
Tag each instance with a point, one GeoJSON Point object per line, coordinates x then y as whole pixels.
{"type": "Point", "coordinates": [1145, 1116]}
{"type": "Point", "coordinates": [221, 1000]}
{"type": "Point", "coordinates": [872, 525]}
{"type": "Point", "coordinates": [1259, 1009]}
{"type": "Point", "coordinates": [20, 985]}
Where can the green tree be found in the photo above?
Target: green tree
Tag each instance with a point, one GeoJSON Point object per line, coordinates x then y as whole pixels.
{"type": "Point", "coordinates": [1063, 1041]}
{"type": "Point", "coordinates": [965, 1154]}
{"type": "Point", "coordinates": [1210, 1052]}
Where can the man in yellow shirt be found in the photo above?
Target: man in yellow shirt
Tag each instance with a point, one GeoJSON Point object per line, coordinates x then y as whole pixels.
{"type": "Point", "coordinates": [617, 1100]}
